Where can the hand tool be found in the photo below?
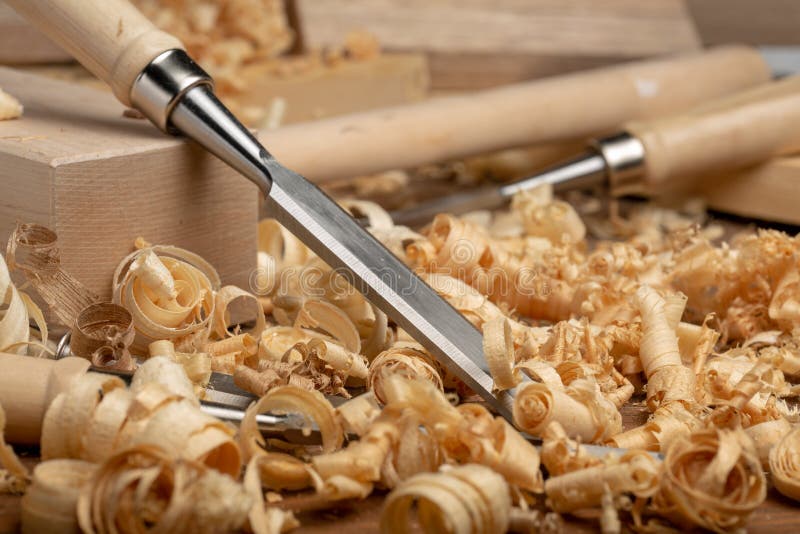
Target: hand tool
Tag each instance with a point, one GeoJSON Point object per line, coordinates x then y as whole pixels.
{"type": "Point", "coordinates": [650, 157]}
{"type": "Point", "coordinates": [28, 385]}
{"type": "Point", "coordinates": [148, 69]}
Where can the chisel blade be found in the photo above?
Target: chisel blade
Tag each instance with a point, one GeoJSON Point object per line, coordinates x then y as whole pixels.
{"type": "Point", "coordinates": [373, 270]}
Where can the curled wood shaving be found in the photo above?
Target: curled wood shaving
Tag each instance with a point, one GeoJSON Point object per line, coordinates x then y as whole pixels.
{"type": "Point", "coordinates": [144, 488]}
{"type": "Point", "coordinates": [712, 479]}
{"type": "Point", "coordinates": [33, 249]}
{"type": "Point", "coordinates": [358, 413]}
{"type": "Point", "coordinates": [668, 380]}
{"type": "Point", "coordinates": [222, 316]}
{"type": "Point", "coordinates": [542, 216]}
{"type": "Point", "coordinates": [561, 455]}
{"type": "Point", "coordinates": [784, 464]}
{"type": "Point", "coordinates": [103, 333]}
{"type": "Point", "coordinates": [766, 435]}
{"type": "Point", "coordinates": [15, 310]}
{"type": "Point", "coordinates": [465, 499]}
{"type": "Point", "coordinates": [197, 366]}
{"type": "Point", "coordinates": [96, 416]}
{"type": "Point", "coordinates": [498, 349]}
{"type": "Point", "coordinates": [14, 475]}
{"type": "Point", "coordinates": [635, 472]}
{"type": "Point", "coordinates": [403, 361]}
{"type": "Point", "coordinates": [277, 470]}
{"type": "Point", "coordinates": [169, 292]}
{"type": "Point", "coordinates": [10, 108]}
{"type": "Point", "coordinates": [51, 501]}
{"type": "Point", "coordinates": [469, 434]}
{"type": "Point", "coordinates": [580, 408]}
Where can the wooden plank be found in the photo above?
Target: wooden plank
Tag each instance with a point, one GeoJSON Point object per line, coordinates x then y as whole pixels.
{"type": "Point", "coordinates": [537, 34]}
{"type": "Point", "coordinates": [766, 22]}
{"type": "Point", "coordinates": [317, 92]}
{"type": "Point", "coordinates": [350, 86]}
{"type": "Point", "coordinates": [100, 180]}
{"type": "Point", "coordinates": [769, 192]}
{"type": "Point", "coordinates": [20, 43]}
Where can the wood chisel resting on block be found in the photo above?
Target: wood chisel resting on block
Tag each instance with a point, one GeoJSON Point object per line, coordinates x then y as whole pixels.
{"type": "Point", "coordinates": [654, 156]}
{"type": "Point", "coordinates": [148, 69]}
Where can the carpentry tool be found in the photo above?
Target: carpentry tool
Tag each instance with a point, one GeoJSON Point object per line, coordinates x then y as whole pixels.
{"type": "Point", "coordinates": [731, 133]}
{"type": "Point", "coordinates": [28, 385]}
{"type": "Point", "coordinates": [147, 69]}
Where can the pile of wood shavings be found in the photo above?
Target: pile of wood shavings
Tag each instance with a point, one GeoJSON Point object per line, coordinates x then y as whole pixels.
{"type": "Point", "coordinates": [579, 330]}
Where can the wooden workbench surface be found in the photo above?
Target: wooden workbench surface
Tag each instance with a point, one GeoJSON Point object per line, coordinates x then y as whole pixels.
{"type": "Point", "coordinates": [777, 514]}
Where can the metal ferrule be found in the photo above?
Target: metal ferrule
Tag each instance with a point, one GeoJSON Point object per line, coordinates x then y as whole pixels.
{"type": "Point", "coordinates": [162, 84]}
{"type": "Point", "coordinates": [625, 161]}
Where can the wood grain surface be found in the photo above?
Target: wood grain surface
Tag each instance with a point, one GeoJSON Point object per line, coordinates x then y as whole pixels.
{"type": "Point", "coordinates": [100, 180]}
{"type": "Point", "coordinates": [485, 43]}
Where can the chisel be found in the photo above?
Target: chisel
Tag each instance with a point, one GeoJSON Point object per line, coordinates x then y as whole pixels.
{"type": "Point", "coordinates": [29, 385]}
{"type": "Point", "coordinates": [148, 69]}
{"type": "Point", "coordinates": [650, 157]}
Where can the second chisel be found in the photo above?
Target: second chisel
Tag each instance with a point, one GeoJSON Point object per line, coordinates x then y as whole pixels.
{"type": "Point", "coordinates": [651, 156]}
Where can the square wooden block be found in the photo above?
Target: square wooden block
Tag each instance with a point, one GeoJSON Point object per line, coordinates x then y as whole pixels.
{"type": "Point", "coordinates": [100, 180]}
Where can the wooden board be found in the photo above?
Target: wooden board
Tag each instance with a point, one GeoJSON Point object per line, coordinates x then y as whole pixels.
{"type": "Point", "coordinates": [770, 192]}
{"type": "Point", "coordinates": [481, 43]}
{"type": "Point", "coordinates": [20, 43]}
{"type": "Point", "coordinates": [319, 92]}
{"type": "Point", "coordinates": [75, 164]}
{"type": "Point", "coordinates": [350, 86]}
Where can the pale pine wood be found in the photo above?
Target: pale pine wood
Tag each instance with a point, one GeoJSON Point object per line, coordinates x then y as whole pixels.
{"type": "Point", "coordinates": [770, 191]}
{"type": "Point", "coordinates": [28, 386]}
{"type": "Point", "coordinates": [555, 109]}
{"type": "Point", "coordinates": [111, 38]}
{"type": "Point", "coordinates": [20, 43]}
{"type": "Point", "coordinates": [470, 40]}
{"type": "Point", "coordinates": [734, 132]}
{"type": "Point", "coordinates": [387, 80]}
{"type": "Point", "coordinates": [99, 180]}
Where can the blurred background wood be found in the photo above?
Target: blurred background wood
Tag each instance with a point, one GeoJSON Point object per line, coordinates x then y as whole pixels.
{"type": "Point", "coordinates": [756, 22]}
{"type": "Point", "coordinates": [479, 43]}
{"type": "Point", "coordinates": [20, 43]}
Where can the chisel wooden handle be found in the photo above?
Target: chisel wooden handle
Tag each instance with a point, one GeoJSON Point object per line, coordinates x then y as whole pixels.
{"type": "Point", "coordinates": [111, 38]}
{"type": "Point", "coordinates": [27, 387]}
{"type": "Point", "coordinates": [732, 133]}
{"type": "Point", "coordinates": [561, 108]}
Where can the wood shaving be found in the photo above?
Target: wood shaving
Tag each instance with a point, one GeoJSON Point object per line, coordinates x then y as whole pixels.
{"type": "Point", "coordinates": [469, 498]}
{"type": "Point", "coordinates": [10, 108]}
{"type": "Point", "coordinates": [97, 416]}
{"type": "Point", "coordinates": [784, 464]}
{"type": "Point", "coordinates": [13, 475]}
{"type": "Point", "coordinates": [50, 503]}
{"type": "Point", "coordinates": [103, 333]}
{"type": "Point", "coordinates": [33, 250]}
{"type": "Point", "coordinates": [145, 488]}
{"type": "Point", "coordinates": [712, 479]}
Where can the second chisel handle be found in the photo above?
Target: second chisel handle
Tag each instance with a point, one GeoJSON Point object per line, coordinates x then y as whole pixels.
{"type": "Point", "coordinates": [27, 386]}
{"type": "Point", "coordinates": [731, 133]}
{"type": "Point", "coordinates": [111, 38]}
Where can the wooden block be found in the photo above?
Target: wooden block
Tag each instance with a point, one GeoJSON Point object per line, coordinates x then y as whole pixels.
{"type": "Point", "coordinates": [765, 22]}
{"type": "Point", "coordinates": [21, 43]}
{"type": "Point", "coordinates": [76, 165]}
{"type": "Point", "coordinates": [481, 43]}
{"type": "Point", "coordinates": [769, 192]}
{"type": "Point", "coordinates": [388, 80]}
